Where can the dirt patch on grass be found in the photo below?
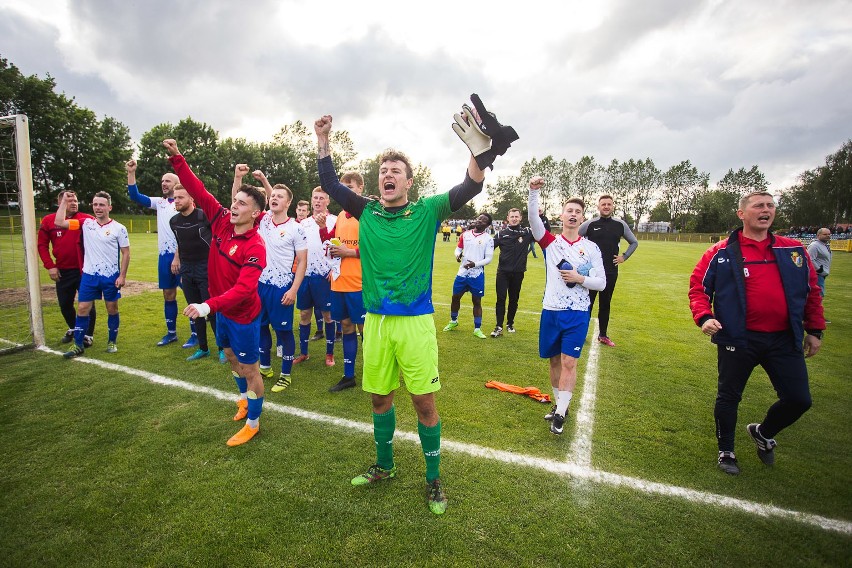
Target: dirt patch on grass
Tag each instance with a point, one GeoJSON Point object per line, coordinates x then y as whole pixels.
{"type": "Point", "coordinates": [10, 297]}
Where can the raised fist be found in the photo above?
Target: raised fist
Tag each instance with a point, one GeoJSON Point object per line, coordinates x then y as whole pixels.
{"type": "Point", "coordinates": [171, 147]}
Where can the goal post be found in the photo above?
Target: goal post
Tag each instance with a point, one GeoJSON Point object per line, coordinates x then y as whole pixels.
{"type": "Point", "coordinates": [21, 322]}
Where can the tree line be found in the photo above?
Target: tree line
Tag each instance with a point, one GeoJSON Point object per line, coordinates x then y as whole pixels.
{"type": "Point", "coordinates": [73, 149]}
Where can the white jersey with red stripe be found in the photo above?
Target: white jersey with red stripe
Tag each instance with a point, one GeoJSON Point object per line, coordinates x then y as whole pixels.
{"type": "Point", "coordinates": [282, 242]}
{"type": "Point", "coordinates": [585, 258]}
{"type": "Point", "coordinates": [477, 248]}
{"type": "Point", "coordinates": [318, 262]}
{"type": "Point", "coordinates": [102, 244]}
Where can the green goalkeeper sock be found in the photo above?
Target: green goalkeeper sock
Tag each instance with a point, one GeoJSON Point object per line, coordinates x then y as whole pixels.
{"type": "Point", "coordinates": [384, 426]}
{"type": "Point", "coordinates": [430, 441]}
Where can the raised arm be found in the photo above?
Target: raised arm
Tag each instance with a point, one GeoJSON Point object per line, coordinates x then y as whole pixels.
{"type": "Point", "coordinates": [259, 176]}
{"type": "Point", "coordinates": [240, 170]}
{"type": "Point", "coordinates": [536, 226]}
{"type": "Point", "coordinates": [194, 187]}
{"type": "Point", "coordinates": [132, 190]}
{"type": "Point", "coordinates": [60, 220]}
{"type": "Point", "coordinates": [348, 199]}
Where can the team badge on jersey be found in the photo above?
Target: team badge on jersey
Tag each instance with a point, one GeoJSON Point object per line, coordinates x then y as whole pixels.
{"type": "Point", "coordinates": [797, 259]}
{"type": "Point", "coordinates": [233, 250]}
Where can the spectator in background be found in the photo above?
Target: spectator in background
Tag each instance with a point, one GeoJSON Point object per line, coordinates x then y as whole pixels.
{"type": "Point", "coordinates": [820, 251]}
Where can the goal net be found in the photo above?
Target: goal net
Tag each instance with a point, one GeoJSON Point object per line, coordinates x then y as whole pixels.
{"type": "Point", "coordinates": [21, 324]}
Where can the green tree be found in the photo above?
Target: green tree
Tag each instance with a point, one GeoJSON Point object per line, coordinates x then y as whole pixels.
{"type": "Point", "coordinates": [70, 147]}
{"type": "Point", "coordinates": [660, 212]}
{"type": "Point", "coordinates": [505, 194]}
{"type": "Point", "coordinates": [199, 143]}
{"type": "Point", "coordinates": [743, 181]}
{"type": "Point", "coordinates": [683, 185]}
{"type": "Point", "coordinates": [642, 181]}
{"type": "Point", "coordinates": [302, 141]}
{"type": "Point", "coordinates": [716, 211]}
{"type": "Point", "coordinates": [823, 195]}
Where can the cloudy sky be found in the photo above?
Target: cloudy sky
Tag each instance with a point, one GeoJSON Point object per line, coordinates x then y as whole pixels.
{"type": "Point", "coordinates": [725, 84]}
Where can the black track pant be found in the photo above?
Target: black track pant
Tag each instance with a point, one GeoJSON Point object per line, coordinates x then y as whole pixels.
{"type": "Point", "coordinates": [787, 372]}
{"type": "Point", "coordinates": [606, 300]}
{"type": "Point", "coordinates": [66, 291]}
{"type": "Point", "coordinates": [193, 280]}
{"type": "Point", "coordinates": [508, 283]}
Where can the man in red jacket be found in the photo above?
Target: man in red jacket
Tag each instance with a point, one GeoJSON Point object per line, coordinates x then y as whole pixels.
{"type": "Point", "coordinates": [67, 268]}
{"type": "Point", "coordinates": [237, 258]}
{"type": "Point", "coordinates": [756, 295]}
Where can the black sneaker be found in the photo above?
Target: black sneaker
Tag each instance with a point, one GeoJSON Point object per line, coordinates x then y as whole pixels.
{"type": "Point", "coordinates": [557, 424]}
{"type": "Point", "coordinates": [765, 446]}
{"type": "Point", "coordinates": [728, 463]}
{"type": "Point", "coordinates": [343, 384]}
{"type": "Point", "coordinates": [510, 328]}
{"type": "Point", "coordinates": [68, 337]}
{"type": "Point", "coordinates": [498, 331]}
{"type": "Point", "coordinates": [549, 415]}
{"type": "Point", "coordinates": [88, 341]}
{"type": "Point", "coordinates": [317, 336]}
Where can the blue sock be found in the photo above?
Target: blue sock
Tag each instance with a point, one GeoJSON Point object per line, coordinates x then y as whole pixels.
{"type": "Point", "coordinates": [304, 336]}
{"type": "Point", "coordinates": [288, 349]}
{"type": "Point", "coordinates": [350, 351]}
{"type": "Point", "coordinates": [81, 324]}
{"type": "Point", "coordinates": [477, 322]}
{"type": "Point", "coordinates": [454, 316]}
{"type": "Point", "coordinates": [329, 338]}
{"type": "Point", "coordinates": [255, 407]}
{"type": "Point", "coordinates": [112, 327]}
{"type": "Point", "coordinates": [242, 384]}
{"type": "Point", "coordinates": [265, 346]}
{"type": "Point", "coordinates": [170, 309]}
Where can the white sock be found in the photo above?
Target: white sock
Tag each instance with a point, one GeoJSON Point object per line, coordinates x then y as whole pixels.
{"type": "Point", "coordinates": [253, 423]}
{"type": "Point", "coordinates": [562, 401]}
{"type": "Point", "coordinates": [555, 394]}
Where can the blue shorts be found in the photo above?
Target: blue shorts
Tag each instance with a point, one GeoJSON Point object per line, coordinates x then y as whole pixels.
{"type": "Point", "coordinates": [475, 285]}
{"type": "Point", "coordinates": [315, 292]}
{"type": "Point", "coordinates": [164, 272]}
{"type": "Point", "coordinates": [242, 338]}
{"type": "Point", "coordinates": [562, 331]}
{"type": "Point", "coordinates": [347, 305]}
{"type": "Point", "coordinates": [92, 286]}
{"type": "Point", "coordinates": [272, 312]}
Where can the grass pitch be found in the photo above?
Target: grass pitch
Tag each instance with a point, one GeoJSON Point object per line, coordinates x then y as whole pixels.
{"type": "Point", "coordinates": [105, 468]}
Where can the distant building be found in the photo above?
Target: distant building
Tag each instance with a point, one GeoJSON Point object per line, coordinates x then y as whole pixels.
{"type": "Point", "coordinates": [655, 227]}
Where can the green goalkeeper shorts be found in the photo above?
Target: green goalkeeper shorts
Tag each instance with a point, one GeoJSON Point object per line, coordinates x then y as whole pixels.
{"type": "Point", "coordinates": [395, 345]}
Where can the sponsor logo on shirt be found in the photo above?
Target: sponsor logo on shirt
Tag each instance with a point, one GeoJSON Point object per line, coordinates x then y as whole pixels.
{"type": "Point", "coordinates": [233, 250]}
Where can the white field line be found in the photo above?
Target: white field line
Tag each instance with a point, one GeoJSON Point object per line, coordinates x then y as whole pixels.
{"type": "Point", "coordinates": [561, 468]}
{"type": "Point", "coordinates": [581, 446]}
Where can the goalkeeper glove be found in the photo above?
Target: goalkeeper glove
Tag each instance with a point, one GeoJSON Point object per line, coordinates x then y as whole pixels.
{"type": "Point", "coordinates": [501, 136]}
{"type": "Point", "coordinates": [468, 130]}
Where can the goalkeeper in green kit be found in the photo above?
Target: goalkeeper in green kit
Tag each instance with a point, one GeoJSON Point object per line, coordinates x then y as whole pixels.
{"type": "Point", "coordinates": [397, 245]}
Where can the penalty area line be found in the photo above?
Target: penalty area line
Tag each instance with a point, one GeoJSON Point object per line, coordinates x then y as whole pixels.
{"type": "Point", "coordinates": [567, 469]}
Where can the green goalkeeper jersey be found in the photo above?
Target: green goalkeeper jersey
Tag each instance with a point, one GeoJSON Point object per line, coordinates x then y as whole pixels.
{"type": "Point", "coordinates": [397, 255]}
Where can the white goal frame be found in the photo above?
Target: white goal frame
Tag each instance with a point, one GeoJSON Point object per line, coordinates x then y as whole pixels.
{"type": "Point", "coordinates": [29, 228]}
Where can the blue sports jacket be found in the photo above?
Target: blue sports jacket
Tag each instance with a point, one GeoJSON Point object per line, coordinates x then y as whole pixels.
{"type": "Point", "coordinates": [718, 281]}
